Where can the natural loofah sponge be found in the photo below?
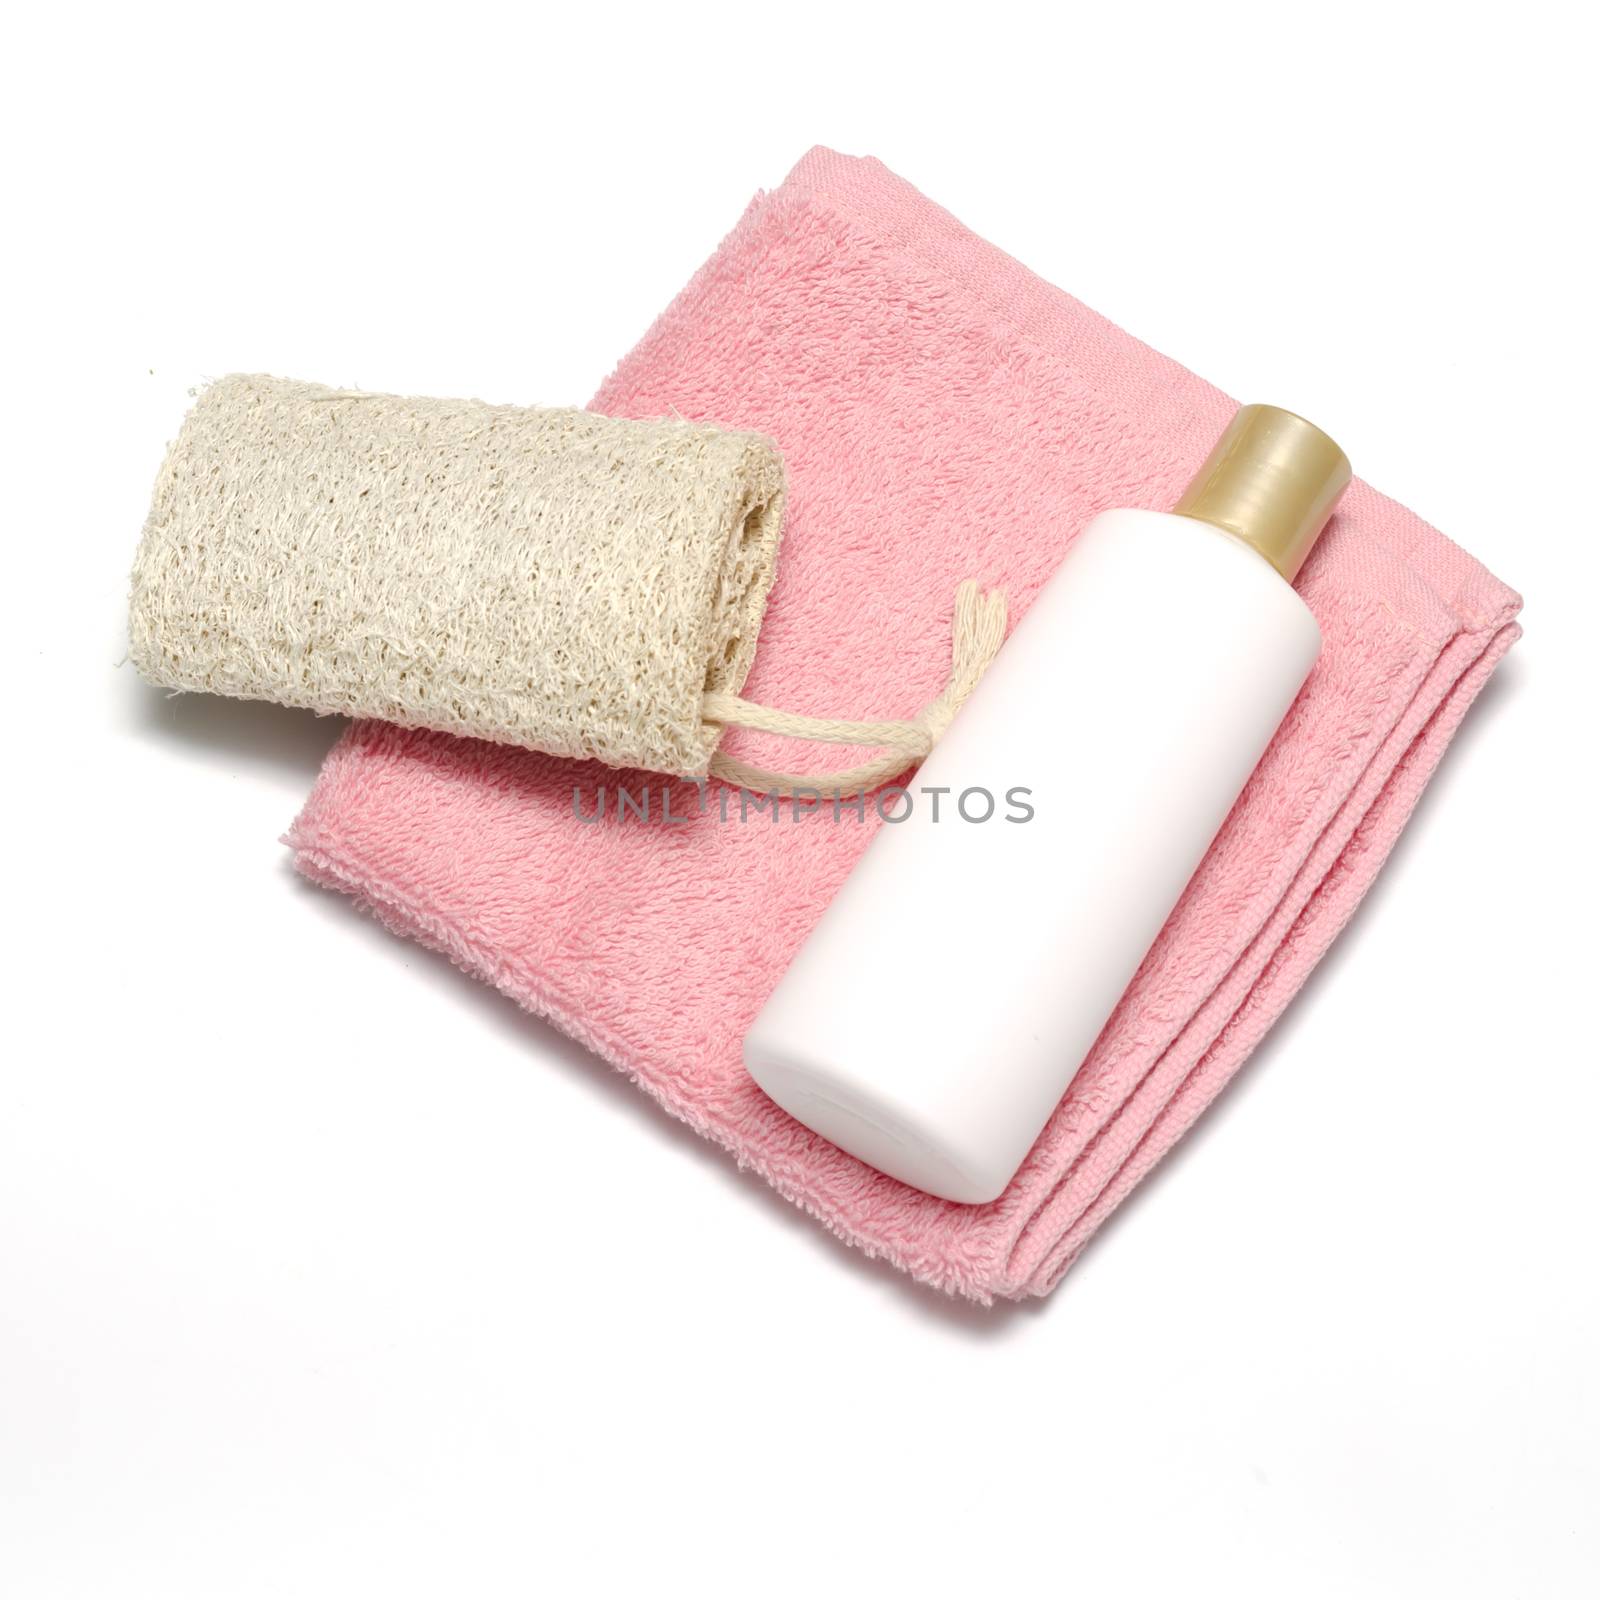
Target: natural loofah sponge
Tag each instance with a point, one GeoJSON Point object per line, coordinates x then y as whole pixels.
{"type": "Point", "coordinates": [558, 580]}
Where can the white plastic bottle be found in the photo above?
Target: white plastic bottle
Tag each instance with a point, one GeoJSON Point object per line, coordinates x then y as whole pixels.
{"type": "Point", "coordinates": [942, 1006]}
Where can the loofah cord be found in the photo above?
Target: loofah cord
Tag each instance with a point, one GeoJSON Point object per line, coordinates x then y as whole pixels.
{"type": "Point", "coordinates": [977, 632]}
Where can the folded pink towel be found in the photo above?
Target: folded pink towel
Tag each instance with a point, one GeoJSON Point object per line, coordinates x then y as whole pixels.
{"type": "Point", "coordinates": [944, 414]}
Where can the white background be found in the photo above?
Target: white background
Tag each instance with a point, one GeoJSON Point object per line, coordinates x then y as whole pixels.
{"type": "Point", "coordinates": [326, 1272]}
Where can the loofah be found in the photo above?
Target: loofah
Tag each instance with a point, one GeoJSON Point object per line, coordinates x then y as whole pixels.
{"type": "Point", "coordinates": [558, 580]}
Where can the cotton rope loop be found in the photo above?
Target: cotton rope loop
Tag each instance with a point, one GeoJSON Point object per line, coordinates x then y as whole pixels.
{"type": "Point", "coordinates": [978, 632]}
{"type": "Point", "coordinates": [586, 586]}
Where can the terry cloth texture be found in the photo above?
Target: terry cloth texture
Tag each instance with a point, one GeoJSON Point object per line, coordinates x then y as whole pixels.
{"type": "Point", "coordinates": [943, 412]}
{"type": "Point", "coordinates": [558, 580]}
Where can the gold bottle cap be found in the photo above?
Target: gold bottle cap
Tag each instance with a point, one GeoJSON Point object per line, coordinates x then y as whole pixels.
{"type": "Point", "coordinates": [1273, 480]}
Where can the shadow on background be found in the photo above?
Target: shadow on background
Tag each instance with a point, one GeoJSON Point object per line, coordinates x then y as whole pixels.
{"type": "Point", "coordinates": [235, 734]}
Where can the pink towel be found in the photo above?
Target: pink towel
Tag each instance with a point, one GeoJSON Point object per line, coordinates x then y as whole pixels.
{"type": "Point", "coordinates": [944, 414]}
